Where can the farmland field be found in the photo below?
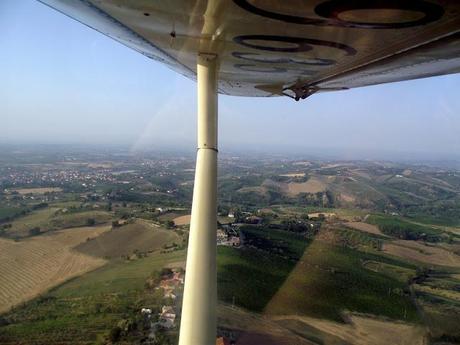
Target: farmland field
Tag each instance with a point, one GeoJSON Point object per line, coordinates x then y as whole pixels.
{"type": "Point", "coordinates": [314, 285]}
{"type": "Point", "coordinates": [39, 218]}
{"type": "Point", "coordinates": [313, 185]}
{"type": "Point", "coordinates": [85, 309]}
{"type": "Point", "coordinates": [49, 218]}
{"type": "Point", "coordinates": [128, 239]}
{"type": "Point", "coordinates": [329, 252]}
{"type": "Point", "coordinates": [416, 251]}
{"type": "Point", "coordinates": [32, 266]}
{"type": "Point", "coordinates": [396, 227]}
{"type": "Point", "coordinates": [182, 220]}
{"type": "Point", "coordinates": [372, 229]}
{"type": "Point", "coordinates": [37, 190]}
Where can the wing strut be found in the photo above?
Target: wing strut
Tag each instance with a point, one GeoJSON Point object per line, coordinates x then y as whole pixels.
{"type": "Point", "coordinates": [198, 321]}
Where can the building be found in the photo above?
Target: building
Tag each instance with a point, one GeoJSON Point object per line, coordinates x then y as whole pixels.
{"type": "Point", "coordinates": [167, 317]}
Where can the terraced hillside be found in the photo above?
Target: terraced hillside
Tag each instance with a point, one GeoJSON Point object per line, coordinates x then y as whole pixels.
{"type": "Point", "coordinates": [34, 265]}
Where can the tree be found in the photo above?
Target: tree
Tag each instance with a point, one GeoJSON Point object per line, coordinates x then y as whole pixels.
{"type": "Point", "coordinates": [115, 334]}
{"type": "Point", "coordinates": [34, 231]}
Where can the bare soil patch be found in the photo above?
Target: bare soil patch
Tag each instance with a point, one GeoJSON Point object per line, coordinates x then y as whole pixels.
{"type": "Point", "coordinates": [418, 251]}
{"type": "Point", "coordinates": [182, 220]}
{"type": "Point", "coordinates": [313, 185]}
{"type": "Point", "coordinates": [347, 197]}
{"type": "Point", "coordinates": [372, 229]}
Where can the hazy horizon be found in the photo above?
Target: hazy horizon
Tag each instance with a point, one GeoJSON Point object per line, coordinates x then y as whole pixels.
{"type": "Point", "coordinates": [67, 84]}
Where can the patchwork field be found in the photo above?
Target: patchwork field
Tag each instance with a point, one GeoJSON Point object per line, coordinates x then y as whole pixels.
{"type": "Point", "coordinates": [34, 265]}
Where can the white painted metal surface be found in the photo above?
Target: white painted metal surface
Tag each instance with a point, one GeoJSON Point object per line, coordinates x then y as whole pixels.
{"type": "Point", "coordinates": [268, 47]}
{"type": "Point", "coordinates": [198, 323]}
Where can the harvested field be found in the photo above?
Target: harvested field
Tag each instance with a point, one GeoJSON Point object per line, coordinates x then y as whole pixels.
{"type": "Point", "coordinates": [313, 185]}
{"type": "Point", "coordinates": [34, 265]}
{"type": "Point", "coordinates": [173, 214]}
{"type": "Point", "coordinates": [293, 175]}
{"type": "Point", "coordinates": [24, 191]}
{"type": "Point", "coordinates": [372, 229]}
{"type": "Point", "coordinates": [100, 165]}
{"type": "Point", "coordinates": [291, 329]}
{"type": "Point", "coordinates": [347, 197]}
{"type": "Point", "coordinates": [253, 328]}
{"type": "Point", "coordinates": [182, 220]}
{"type": "Point", "coordinates": [259, 190]}
{"type": "Point", "coordinates": [417, 251]}
{"type": "Point", "coordinates": [363, 330]}
{"type": "Point", "coordinates": [451, 294]}
{"type": "Point", "coordinates": [125, 240]}
{"type": "Point", "coordinates": [325, 214]}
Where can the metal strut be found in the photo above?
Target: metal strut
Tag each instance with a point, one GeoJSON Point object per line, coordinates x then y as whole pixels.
{"type": "Point", "coordinates": [198, 320]}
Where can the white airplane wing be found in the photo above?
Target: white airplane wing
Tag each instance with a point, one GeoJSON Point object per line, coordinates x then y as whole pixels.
{"type": "Point", "coordinates": [291, 47]}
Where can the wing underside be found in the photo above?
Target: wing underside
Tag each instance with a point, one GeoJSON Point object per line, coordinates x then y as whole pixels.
{"type": "Point", "coordinates": [291, 47]}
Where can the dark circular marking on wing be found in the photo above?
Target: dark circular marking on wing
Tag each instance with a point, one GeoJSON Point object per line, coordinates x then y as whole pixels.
{"type": "Point", "coordinates": [279, 16]}
{"type": "Point", "coordinates": [331, 10]}
{"type": "Point", "coordinates": [310, 62]}
{"type": "Point", "coordinates": [303, 44]}
{"type": "Point", "coordinates": [254, 68]}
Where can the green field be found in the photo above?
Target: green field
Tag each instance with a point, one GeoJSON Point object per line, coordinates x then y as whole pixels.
{"type": "Point", "coordinates": [326, 281]}
{"type": "Point", "coordinates": [285, 244]}
{"type": "Point", "coordinates": [399, 228]}
{"type": "Point", "coordinates": [71, 220]}
{"type": "Point", "coordinates": [49, 219]}
{"type": "Point", "coordinates": [359, 239]}
{"type": "Point", "coordinates": [40, 218]}
{"type": "Point", "coordinates": [248, 277]}
{"type": "Point", "coordinates": [7, 213]}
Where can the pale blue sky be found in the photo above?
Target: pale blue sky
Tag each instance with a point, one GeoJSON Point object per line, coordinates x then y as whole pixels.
{"type": "Point", "coordinates": [65, 83]}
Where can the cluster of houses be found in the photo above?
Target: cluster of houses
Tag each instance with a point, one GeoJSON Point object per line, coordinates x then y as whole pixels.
{"type": "Point", "coordinates": [171, 283]}
{"type": "Point", "coordinates": [228, 236]}
{"type": "Point", "coordinates": [225, 238]}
